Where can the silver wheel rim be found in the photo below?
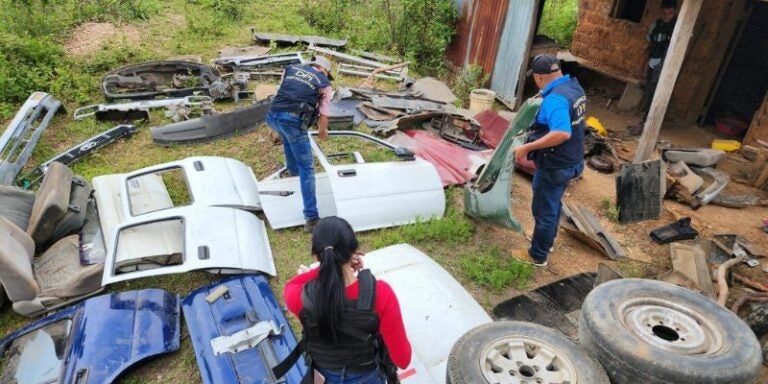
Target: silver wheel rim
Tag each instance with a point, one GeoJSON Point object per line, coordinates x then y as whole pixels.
{"type": "Point", "coordinates": [523, 360]}
{"type": "Point", "coordinates": [671, 326]}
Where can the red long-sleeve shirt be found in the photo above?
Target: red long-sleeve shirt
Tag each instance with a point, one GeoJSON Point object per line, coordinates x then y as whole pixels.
{"type": "Point", "coordinates": [386, 307]}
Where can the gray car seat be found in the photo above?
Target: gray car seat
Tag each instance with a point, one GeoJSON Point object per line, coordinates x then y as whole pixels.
{"type": "Point", "coordinates": [49, 281]}
{"type": "Point", "coordinates": [58, 208]}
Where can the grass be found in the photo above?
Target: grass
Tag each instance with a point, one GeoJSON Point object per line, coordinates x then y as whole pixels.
{"type": "Point", "coordinates": [487, 267]}
{"type": "Point", "coordinates": [180, 27]}
{"type": "Point", "coordinates": [609, 210]}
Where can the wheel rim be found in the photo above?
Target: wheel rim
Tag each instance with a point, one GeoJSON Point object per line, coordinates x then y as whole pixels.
{"type": "Point", "coordinates": [523, 360]}
{"type": "Point", "coordinates": [671, 326]}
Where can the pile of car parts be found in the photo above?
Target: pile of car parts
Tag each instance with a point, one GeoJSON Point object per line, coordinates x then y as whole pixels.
{"type": "Point", "coordinates": [20, 138]}
{"type": "Point", "coordinates": [639, 331]}
{"type": "Point", "coordinates": [170, 79]}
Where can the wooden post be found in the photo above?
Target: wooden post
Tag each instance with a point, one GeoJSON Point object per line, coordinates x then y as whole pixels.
{"type": "Point", "coordinates": [686, 20]}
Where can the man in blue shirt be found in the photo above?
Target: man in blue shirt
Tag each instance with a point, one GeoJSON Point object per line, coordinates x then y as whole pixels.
{"type": "Point", "coordinates": [556, 145]}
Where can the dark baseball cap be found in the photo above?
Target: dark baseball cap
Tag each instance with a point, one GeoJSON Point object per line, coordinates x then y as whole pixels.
{"type": "Point", "coordinates": [544, 64]}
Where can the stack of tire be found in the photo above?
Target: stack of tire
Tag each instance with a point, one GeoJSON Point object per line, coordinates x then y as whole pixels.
{"type": "Point", "coordinates": [631, 331]}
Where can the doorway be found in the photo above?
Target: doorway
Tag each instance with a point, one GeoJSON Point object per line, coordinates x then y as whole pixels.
{"type": "Point", "coordinates": [743, 80]}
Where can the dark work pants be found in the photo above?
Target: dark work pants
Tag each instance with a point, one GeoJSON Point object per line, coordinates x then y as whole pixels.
{"type": "Point", "coordinates": [548, 188]}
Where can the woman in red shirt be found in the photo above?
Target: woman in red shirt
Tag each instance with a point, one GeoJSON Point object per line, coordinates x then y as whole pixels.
{"type": "Point", "coordinates": [343, 310]}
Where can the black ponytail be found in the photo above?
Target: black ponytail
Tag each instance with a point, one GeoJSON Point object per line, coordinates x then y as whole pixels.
{"type": "Point", "coordinates": [334, 243]}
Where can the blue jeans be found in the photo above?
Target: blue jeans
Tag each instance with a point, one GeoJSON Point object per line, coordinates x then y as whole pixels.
{"type": "Point", "coordinates": [343, 377]}
{"type": "Point", "coordinates": [298, 156]}
{"type": "Point", "coordinates": [548, 188]}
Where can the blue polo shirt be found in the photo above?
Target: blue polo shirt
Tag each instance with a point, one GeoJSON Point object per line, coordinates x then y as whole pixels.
{"type": "Point", "coordinates": [555, 110]}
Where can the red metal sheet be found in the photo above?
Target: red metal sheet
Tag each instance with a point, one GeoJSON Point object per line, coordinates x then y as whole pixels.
{"type": "Point", "coordinates": [492, 127]}
{"type": "Point", "coordinates": [455, 164]}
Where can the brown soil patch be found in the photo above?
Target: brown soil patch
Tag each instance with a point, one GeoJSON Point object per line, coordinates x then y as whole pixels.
{"type": "Point", "coordinates": [571, 256]}
{"type": "Point", "coordinates": [89, 37]}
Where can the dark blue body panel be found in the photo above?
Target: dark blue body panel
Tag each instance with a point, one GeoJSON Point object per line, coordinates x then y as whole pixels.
{"type": "Point", "coordinates": [249, 301]}
{"type": "Point", "coordinates": [112, 332]}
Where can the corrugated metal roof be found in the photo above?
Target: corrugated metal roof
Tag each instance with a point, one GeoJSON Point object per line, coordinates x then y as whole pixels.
{"type": "Point", "coordinates": [478, 33]}
{"type": "Point", "coordinates": [513, 48]}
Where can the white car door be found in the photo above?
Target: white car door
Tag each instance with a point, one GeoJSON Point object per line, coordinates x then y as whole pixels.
{"type": "Point", "coordinates": [364, 182]}
{"type": "Point", "coordinates": [377, 194]}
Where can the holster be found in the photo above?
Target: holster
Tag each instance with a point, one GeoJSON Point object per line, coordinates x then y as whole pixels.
{"type": "Point", "coordinates": [308, 115]}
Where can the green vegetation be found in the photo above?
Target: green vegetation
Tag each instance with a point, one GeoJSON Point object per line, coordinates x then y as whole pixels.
{"type": "Point", "coordinates": [454, 228]}
{"type": "Point", "coordinates": [418, 30]}
{"type": "Point", "coordinates": [470, 78]}
{"type": "Point", "coordinates": [609, 210]}
{"type": "Point", "coordinates": [559, 20]}
{"type": "Point", "coordinates": [488, 267]}
{"type": "Point", "coordinates": [34, 57]}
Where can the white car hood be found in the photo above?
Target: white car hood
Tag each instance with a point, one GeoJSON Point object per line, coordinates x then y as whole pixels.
{"type": "Point", "coordinates": [436, 309]}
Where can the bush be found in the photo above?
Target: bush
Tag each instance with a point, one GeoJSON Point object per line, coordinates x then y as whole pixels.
{"type": "Point", "coordinates": [471, 77]}
{"type": "Point", "coordinates": [26, 65]}
{"type": "Point", "coordinates": [559, 20]}
{"type": "Point", "coordinates": [419, 30]}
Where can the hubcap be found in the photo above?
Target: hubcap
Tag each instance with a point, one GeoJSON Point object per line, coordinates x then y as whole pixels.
{"type": "Point", "coordinates": [671, 326]}
{"type": "Point", "coordinates": [523, 360]}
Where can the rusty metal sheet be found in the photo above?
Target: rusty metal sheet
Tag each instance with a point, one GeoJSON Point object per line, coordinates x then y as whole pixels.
{"type": "Point", "coordinates": [478, 33]}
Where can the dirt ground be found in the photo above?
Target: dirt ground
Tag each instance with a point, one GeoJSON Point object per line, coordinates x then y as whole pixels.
{"type": "Point", "coordinates": [648, 259]}
{"type": "Point", "coordinates": [89, 37]}
{"type": "Point", "coordinates": [572, 256]}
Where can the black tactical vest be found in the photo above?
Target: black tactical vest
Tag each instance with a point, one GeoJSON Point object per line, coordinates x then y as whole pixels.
{"type": "Point", "coordinates": [356, 347]}
{"type": "Point", "coordinates": [570, 152]}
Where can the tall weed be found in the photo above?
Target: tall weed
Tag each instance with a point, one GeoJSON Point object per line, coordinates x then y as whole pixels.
{"type": "Point", "coordinates": [559, 20]}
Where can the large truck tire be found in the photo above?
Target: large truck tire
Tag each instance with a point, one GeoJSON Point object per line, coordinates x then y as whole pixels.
{"type": "Point", "coordinates": [651, 332]}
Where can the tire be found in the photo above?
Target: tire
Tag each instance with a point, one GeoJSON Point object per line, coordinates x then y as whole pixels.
{"type": "Point", "coordinates": [600, 163]}
{"type": "Point", "coordinates": [3, 297]}
{"type": "Point", "coordinates": [637, 329]}
{"type": "Point", "coordinates": [470, 359]}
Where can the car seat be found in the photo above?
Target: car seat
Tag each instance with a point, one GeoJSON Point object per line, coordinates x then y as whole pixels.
{"type": "Point", "coordinates": [56, 278]}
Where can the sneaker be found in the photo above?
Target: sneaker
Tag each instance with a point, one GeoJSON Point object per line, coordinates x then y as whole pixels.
{"type": "Point", "coordinates": [309, 225]}
{"type": "Point", "coordinates": [540, 263]}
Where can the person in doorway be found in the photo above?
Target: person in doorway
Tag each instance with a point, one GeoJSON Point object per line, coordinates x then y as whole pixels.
{"type": "Point", "coordinates": [555, 144]}
{"type": "Point", "coordinates": [353, 329]}
{"type": "Point", "coordinates": [659, 36]}
{"type": "Point", "coordinates": [303, 97]}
